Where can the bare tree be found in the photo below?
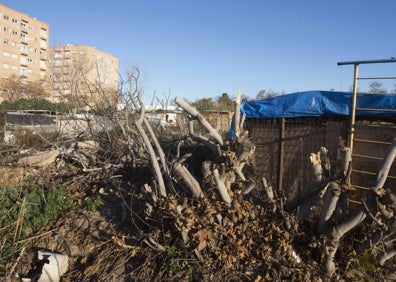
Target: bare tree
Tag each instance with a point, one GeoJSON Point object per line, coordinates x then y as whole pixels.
{"type": "Point", "coordinates": [15, 87]}
{"type": "Point", "coordinates": [264, 94]}
{"type": "Point", "coordinates": [376, 88]}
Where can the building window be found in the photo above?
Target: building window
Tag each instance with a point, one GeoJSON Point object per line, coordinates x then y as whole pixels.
{"type": "Point", "coordinates": [25, 49]}
{"type": "Point", "coordinates": [6, 17]}
{"type": "Point", "coordinates": [43, 43]}
{"type": "Point", "coordinates": [14, 20]}
{"type": "Point", "coordinates": [43, 33]}
{"type": "Point", "coordinates": [57, 55]}
{"type": "Point", "coordinates": [23, 26]}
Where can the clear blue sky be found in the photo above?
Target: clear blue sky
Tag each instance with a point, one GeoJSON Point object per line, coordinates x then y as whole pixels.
{"type": "Point", "coordinates": [202, 48]}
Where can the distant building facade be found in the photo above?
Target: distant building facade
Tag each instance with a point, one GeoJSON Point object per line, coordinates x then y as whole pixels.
{"type": "Point", "coordinates": [69, 73]}
{"type": "Point", "coordinates": [23, 45]}
{"type": "Point", "coordinates": [78, 72]}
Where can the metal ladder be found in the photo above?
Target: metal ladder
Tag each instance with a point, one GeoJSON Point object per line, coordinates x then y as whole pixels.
{"type": "Point", "coordinates": [352, 140]}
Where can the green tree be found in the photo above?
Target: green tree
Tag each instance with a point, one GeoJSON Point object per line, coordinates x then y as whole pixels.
{"type": "Point", "coordinates": [224, 102]}
{"type": "Point", "coordinates": [204, 104]}
{"type": "Point", "coordinates": [34, 104]}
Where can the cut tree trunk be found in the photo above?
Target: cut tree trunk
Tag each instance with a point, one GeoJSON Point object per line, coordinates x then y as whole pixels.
{"type": "Point", "coordinates": [193, 112]}
{"type": "Point", "coordinates": [369, 203]}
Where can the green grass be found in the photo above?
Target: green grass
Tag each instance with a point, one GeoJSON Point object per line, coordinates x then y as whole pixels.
{"type": "Point", "coordinates": [24, 211]}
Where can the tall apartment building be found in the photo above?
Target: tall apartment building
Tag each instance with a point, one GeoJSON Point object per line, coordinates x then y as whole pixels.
{"type": "Point", "coordinates": [23, 45]}
{"type": "Point", "coordinates": [68, 73]}
{"type": "Point", "coordinates": [80, 74]}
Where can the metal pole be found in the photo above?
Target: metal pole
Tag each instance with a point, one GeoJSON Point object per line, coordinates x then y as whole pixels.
{"type": "Point", "coordinates": [280, 162]}
{"type": "Point", "coordinates": [353, 107]}
{"type": "Point", "coordinates": [391, 60]}
{"type": "Point", "coordinates": [281, 152]}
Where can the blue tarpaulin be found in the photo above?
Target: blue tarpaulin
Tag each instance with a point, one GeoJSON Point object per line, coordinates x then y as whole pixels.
{"type": "Point", "coordinates": [318, 104]}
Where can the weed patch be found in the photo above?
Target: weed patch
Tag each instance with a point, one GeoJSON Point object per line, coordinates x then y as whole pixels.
{"type": "Point", "coordinates": [24, 211]}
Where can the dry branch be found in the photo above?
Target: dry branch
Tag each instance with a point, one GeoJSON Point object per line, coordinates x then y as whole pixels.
{"type": "Point", "coordinates": [202, 139]}
{"type": "Point", "coordinates": [157, 171]}
{"type": "Point", "coordinates": [221, 187]}
{"type": "Point", "coordinates": [386, 256]}
{"type": "Point", "coordinates": [385, 167]}
{"type": "Point", "coordinates": [237, 115]}
{"type": "Point", "coordinates": [193, 112]}
{"type": "Point", "coordinates": [329, 206]}
{"type": "Point", "coordinates": [369, 203]}
{"type": "Point", "coordinates": [188, 179]}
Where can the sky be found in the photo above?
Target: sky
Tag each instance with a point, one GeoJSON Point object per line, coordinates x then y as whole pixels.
{"type": "Point", "coordinates": [203, 48]}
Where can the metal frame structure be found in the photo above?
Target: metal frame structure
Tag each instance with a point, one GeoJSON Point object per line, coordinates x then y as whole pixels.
{"type": "Point", "coordinates": [354, 91]}
{"type": "Point", "coordinates": [352, 125]}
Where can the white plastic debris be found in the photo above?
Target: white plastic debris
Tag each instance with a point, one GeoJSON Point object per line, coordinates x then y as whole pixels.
{"type": "Point", "coordinates": [55, 268]}
{"type": "Point", "coordinates": [296, 256]}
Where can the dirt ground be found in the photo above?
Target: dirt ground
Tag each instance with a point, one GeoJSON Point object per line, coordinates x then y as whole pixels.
{"type": "Point", "coordinates": [110, 233]}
